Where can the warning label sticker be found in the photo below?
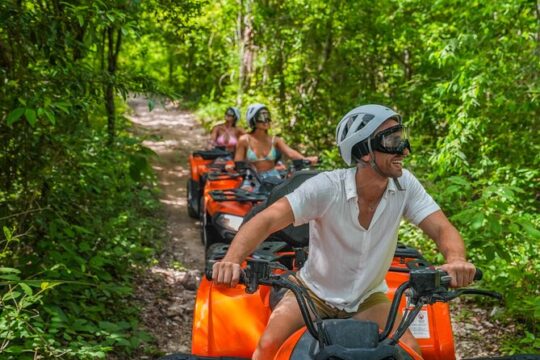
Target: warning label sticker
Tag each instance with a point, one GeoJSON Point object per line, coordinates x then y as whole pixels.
{"type": "Point", "coordinates": [420, 325]}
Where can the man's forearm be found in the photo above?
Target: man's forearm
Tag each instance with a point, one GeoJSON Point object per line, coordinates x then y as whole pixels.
{"type": "Point", "coordinates": [451, 244]}
{"type": "Point", "coordinates": [247, 240]}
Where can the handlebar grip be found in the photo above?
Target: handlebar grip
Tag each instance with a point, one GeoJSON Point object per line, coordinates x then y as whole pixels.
{"type": "Point", "coordinates": [208, 272]}
{"type": "Point", "coordinates": [445, 279]}
{"type": "Point", "coordinates": [478, 275]}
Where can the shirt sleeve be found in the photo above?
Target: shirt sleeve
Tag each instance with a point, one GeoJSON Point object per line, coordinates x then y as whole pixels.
{"type": "Point", "coordinates": [309, 199]}
{"type": "Point", "coordinates": [419, 203]}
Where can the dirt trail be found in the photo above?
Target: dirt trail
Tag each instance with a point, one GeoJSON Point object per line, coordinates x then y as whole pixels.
{"type": "Point", "coordinates": [167, 291]}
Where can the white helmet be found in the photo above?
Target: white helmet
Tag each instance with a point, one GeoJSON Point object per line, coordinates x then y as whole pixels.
{"type": "Point", "coordinates": [358, 125]}
{"type": "Point", "coordinates": [235, 112]}
{"type": "Point", "coordinates": [252, 110]}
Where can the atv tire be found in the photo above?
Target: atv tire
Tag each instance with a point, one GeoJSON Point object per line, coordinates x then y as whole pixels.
{"type": "Point", "coordinates": [193, 199]}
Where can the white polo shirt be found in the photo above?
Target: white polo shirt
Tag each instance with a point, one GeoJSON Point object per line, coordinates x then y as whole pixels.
{"type": "Point", "coordinates": [346, 262]}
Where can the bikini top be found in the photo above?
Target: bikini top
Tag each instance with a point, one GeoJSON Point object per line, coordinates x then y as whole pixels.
{"type": "Point", "coordinates": [227, 138]}
{"type": "Point", "coordinates": [272, 154]}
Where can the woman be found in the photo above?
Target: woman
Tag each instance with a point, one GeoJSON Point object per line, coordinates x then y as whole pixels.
{"type": "Point", "coordinates": [226, 135]}
{"type": "Point", "coordinates": [261, 149]}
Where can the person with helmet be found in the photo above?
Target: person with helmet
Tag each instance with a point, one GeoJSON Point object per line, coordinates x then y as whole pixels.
{"type": "Point", "coordinates": [354, 216]}
{"type": "Point", "coordinates": [226, 135]}
{"type": "Point", "coordinates": [261, 149]}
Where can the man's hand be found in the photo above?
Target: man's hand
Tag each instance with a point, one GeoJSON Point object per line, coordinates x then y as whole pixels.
{"type": "Point", "coordinates": [226, 273]}
{"type": "Point", "coordinates": [461, 271]}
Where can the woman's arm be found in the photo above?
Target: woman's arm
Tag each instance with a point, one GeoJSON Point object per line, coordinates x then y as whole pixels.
{"type": "Point", "coordinates": [215, 133]}
{"type": "Point", "coordinates": [241, 148]}
{"type": "Point", "coordinates": [240, 132]}
{"type": "Point", "coordinates": [291, 153]}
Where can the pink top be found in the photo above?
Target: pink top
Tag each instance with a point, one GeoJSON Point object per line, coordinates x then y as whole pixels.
{"type": "Point", "coordinates": [227, 138]}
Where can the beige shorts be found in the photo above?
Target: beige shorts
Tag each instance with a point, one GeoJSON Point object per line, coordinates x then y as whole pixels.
{"type": "Point", "coordinates": [327, 311]}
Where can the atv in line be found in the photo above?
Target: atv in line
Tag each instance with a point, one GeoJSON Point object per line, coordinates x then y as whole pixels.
{"type": "Point", "coordinates": [228, 322]}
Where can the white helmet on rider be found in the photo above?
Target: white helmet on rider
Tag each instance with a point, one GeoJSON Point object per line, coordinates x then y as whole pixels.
{"type": "Point", "coordinates": [358, 126]}
{"type": "Point", "coordinates": [251, 113]}
{"type": "Point", "coordinates": [234, 112]}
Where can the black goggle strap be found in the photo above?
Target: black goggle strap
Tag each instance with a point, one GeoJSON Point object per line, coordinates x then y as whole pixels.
{"type": "Point", "coordinates": [376, 168]}
{"type": "Point", "coordinates": [372, 159]}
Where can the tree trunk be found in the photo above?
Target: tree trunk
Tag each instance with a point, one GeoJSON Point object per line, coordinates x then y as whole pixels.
{"type": "Point", "coordinates": [245, 19]}
{"type": "Point", "coordinates": [112, 59]}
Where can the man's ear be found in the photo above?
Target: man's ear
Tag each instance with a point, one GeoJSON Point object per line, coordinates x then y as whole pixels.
{"type": "Point", "coordinates": [366, 158]}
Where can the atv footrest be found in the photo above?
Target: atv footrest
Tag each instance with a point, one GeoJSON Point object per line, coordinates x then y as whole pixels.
{"type": "Point", "coordinates": [239, 195]}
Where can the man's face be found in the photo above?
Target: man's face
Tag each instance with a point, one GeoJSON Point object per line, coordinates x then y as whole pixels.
{"type": "Point", "coordinates": [390, 165]}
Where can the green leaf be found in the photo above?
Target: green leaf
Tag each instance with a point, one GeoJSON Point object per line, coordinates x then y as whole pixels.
{"type": "Point", "coordinates": [11, 277]}
{"type": "Point", "coordinates": [50, 116]}
{"type": "Point", "coordinates": [151, 104]}
{"type": "Point", "coordinates": [27, 289]}
{"type": "Point", "coordinates": [477, 221]}
{"type": "Point", "coordinates": [30, 115]}
{"type": "Point", "coordinates": [11, 295]}
{"type": "Point", "coordinates": [15, 115]}
{"type": "Point", "coordinates": [9, 270]}
{"type": "Point", "coordinates": [530, 229]}
{"type": "Point", "coordinates": [7, 233]}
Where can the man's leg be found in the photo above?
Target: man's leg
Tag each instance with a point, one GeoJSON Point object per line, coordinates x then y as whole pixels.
{"type": "Point", "coordinates": [284, 321]}
{"type": "Point", "coordinates": [379, 313]}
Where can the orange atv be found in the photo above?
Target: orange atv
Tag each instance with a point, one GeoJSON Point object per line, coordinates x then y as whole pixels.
{"type": "Point", "coordinates": [228, 197]}
{"type": "Point", "coordinates": [228, 322]}
{"type": "Point", "coordinates": [202, 162]}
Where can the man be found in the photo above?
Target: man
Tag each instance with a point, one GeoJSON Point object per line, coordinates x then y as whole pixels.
{"type": "Point", "coordinates": [354, 216]}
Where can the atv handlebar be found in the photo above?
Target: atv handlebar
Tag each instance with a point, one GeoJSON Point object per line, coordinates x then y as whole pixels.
{"type": "Point", "coordinates": [426, 286]}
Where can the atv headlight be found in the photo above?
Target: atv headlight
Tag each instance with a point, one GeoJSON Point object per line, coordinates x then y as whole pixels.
{"type": "Point", "coordinates": [229, 222]}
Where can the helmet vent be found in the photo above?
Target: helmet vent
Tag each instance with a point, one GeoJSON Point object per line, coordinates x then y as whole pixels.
{"type": "Point", "coordinates": [367, 118]}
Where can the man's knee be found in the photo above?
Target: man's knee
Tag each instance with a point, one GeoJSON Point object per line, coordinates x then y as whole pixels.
{"type": "Point", "coordinates": [411, 342]}
{"type": "Point", "coordinates": [267, 347]}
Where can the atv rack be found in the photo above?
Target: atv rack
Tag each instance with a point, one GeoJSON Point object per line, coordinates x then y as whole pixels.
{"type": "Point", "coordinates": [239, 195]}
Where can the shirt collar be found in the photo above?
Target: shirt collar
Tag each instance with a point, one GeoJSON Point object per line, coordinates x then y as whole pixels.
{"type": "Point", "coordinates": [350, 185]}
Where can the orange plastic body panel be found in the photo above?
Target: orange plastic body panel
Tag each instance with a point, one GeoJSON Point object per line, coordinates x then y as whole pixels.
{"type": "Point", "coordinates": [199, 166]}
{"type": "Point", "coordinates": [285, 351]}
{"type": "Point", "coordinates": [230, 207]}
{"type": "Point", "coordinates": [229, 322]}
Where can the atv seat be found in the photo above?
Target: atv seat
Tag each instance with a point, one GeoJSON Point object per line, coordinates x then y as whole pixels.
{"type": "Point", "coordinates": [295, 236]}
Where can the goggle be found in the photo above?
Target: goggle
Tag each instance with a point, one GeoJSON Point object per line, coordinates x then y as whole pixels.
{"type": "Point", "coordinates": [263, 117]}
{"type": "Point", "coordinates": [393, 140]}
{"type": "Point", "coordinates": [230, 113]}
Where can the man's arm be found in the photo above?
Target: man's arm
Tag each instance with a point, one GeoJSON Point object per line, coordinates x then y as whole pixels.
{"type": "Point", "coordinates": [450, 244]}
{"type": "Point", "coordinates": [250, 235]}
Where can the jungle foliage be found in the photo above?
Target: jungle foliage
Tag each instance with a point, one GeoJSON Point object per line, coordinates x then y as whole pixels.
{"type": "Point", "coordinates": [77, 198]}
